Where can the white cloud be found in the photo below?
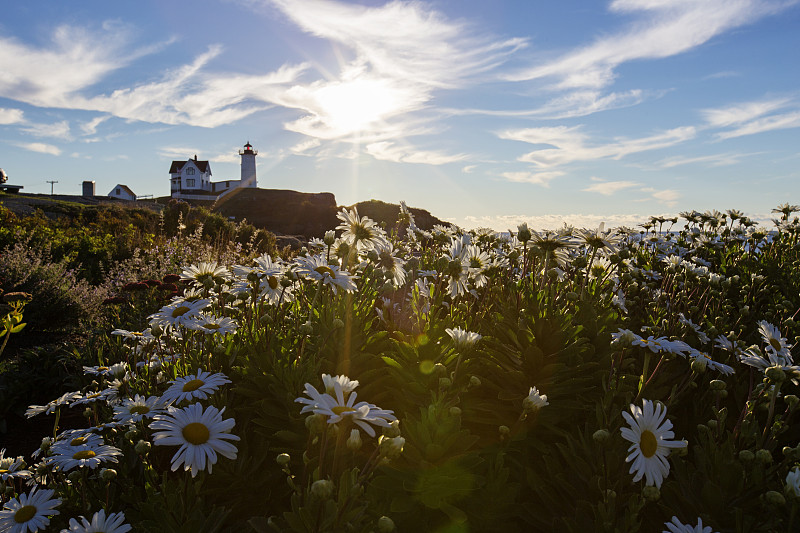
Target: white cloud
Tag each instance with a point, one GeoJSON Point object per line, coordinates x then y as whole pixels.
{"type": "Point", "coordinates": [774, 122]}
{"type": "Point", "coordinates": [659, 29]}
{"type": "Point", "coordinates": [90, 127]}
{"type": "Point", "coordinates": [41, 148]}
{"type": "Point", "coordinates": [536, 178]}
{"type": "Point", "coordinates": [469, 169]}
{"type": "Point", "coordinates": [177, 152]}
{"type": "Point", "coordinates": [11, 116]}
{"type": "Point", "coordinates": [389, 151]}
{"type": "Point", "coordinates": [303, 147]}
{"type": "Point", "coordinates": [668, 197]}
{"type": "Point", "coordinates": [714, 160]}
{"type": "Point", "coordinates": [608, 188]}
{"type": "Point", "coordinates": [561, 145]}
{"type": "Point", "coordinates": [743, 112]}
{"type": "Point", "coordinates": [57, 130]}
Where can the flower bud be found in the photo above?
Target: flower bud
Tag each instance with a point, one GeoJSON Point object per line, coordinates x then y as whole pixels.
{"type": "Point", "coordinates": [475, 381]}
{"type": "Point", "coordinates": [775, 498]}
{"type": "Point", "coordinates": [717, 385]}
{"type": "Point", "coordinates": [699, 365]}
{"type": "Point", "coordinates": [337, 323]}
{"type": "Point", "coordinates": [504, 431]}
{"type": "Point", "coordinates": [283, 459]}
{"type": "Point", "coordinates": [651, 493]}
{"type": "Point", "coordinates": [142, 447]}
{"type": "Point", "coordinates": [445, 383]}
{"type": "Point", "coordinates": [763, 456]}
{"type": "Point", "coordinates": [315, 424]}
{"type": "Point", "coordinates": [455, 411]}
{"type": "Point", "coordinates": [600, 436]}
{"type": "Point", "coordinates": [354, 440]}
{"type": "Point", "coordinates": [108, 474]}
{"type": "Point", "coordinates": [746, 456]}
{"type": "Point", "coordinates": [393, 430]}
{"type": "Point", "coordinates": [391, 448]}
{"type": "Point", "coordinates": [775, 374]}
{"type": "Point", "coordinates": [322, 489]}
{"type": "Point", "coordinates": [385, 525]}
{"type": "Point", "coordinates": [306, 328]}
{"type": "Point", "coordinates": [329, 238]}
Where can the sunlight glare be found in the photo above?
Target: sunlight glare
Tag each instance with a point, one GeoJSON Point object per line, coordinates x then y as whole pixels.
{"type": "Point", "coordinates": [353, 105]}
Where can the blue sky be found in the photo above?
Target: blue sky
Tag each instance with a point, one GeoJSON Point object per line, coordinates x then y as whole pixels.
{"type": "Point", "coordinates": [484, 113]}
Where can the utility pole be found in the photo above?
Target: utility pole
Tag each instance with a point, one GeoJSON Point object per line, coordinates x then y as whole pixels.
{"type": "Point", "coordinates": [51, 186]}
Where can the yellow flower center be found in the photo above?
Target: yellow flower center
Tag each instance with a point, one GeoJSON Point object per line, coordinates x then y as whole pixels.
{"type": "Point", "coordinates": [775, 343]}
{"type": "Point", "coordinates": [77, 441]}
{"type": "Point", "coordinates": [24, 514]}
{"type": "Point", "coordinates": [195, 433]}
{"type": "Point", "coordinates": [273, 282]}
{"type": "Point", "coordinates": [93, 396]}
{"type": "Point", "coordinates": [193, 385]}
{"type": "Point", "coordinates": [84, 454]}
{"type": "Point", "coordinates": [179, 311]}
{"type": "Point", "coordinates": [3, 471]}
{"type": "Point", "coordinates": [102, 368]}
{"type": "Point", "coordinates": [325, 270]}
{"type": "Point", "coordinates": [648, 443]}
{"type": "Point", "coordinates": [339, 409]}
{"type": "Point", "coordinates": [139, 410]}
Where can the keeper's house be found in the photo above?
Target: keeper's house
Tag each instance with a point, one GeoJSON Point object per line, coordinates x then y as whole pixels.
{"type": "Point", "coordinates": [191, 179]}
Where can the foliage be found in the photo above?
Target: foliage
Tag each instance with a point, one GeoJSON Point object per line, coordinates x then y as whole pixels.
{"type": "Point", "coordinates": [502, 365]}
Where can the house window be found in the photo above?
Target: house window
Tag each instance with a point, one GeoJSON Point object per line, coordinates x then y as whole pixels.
{"type": "Point", "coordinates": [190, 182]}
{"type": "Point", "coordinates": [190, 171]}
{"type": "Point", "coordinates": [119, 192]}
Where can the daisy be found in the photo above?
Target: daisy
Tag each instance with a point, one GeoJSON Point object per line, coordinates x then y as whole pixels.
{"type": "Point", "coordinates": [206, 270]}
{"type": "Point", "coordinates": [177, 313]}
{"type": "Point", "coordinates": [199, 434]}
{"type": "Point", "coordinates": [113, 523]}
{"type": "Point", "coordinates": [348, 385]}
{"type": "Point", "coordinates": [198, 386]}
{"type": "Point", "coordinates": [74, 440]}
{"type": "Point", "coordinates": [135, 409]}
{"type": "Point", "coordinates": [11, 467]}
{"type": "Point", "coordinates": [776, 344]}
{"type": "Point", "coordinates": [391, 264]}
{"type": "Point", "coordinates": [337, 408]}
{"type": "Point", "coordinates": [30, 512]}
{"type": "Point", "coordinates": [90, 456]}
{"type": "Point", "coordinates": [649, 432]}
{"type": "Point", "coordinates": [463, 338]}
{"type": "Point", "coordinates": [317, 268]}
{"type": "Point", "coordinates": [675, 526]}
{"type": "Point", "coordinates": [209, 324]}
{"type": "Point", "coordinates": [361, 231]}
{"type": "Point", "coordinates": [534, 401]}
{"type": "Point", "coordinates": [65, 399]}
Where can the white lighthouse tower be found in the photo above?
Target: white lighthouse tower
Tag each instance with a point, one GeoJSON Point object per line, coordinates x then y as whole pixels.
{"type": "Point", "coordinates": [248, 166]}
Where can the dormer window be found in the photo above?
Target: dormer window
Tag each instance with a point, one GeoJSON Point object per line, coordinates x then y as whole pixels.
{"type": "Point", "coordinates": [190, 171]}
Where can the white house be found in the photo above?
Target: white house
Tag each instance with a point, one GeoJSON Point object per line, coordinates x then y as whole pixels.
{"type": "Point", "coordinates": [191, 179]}
{"type": "Point", "coordinates": [122, 192]}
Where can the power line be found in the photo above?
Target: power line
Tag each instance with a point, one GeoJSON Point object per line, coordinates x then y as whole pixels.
{"type": "Point", "coordinates": [51, 186]}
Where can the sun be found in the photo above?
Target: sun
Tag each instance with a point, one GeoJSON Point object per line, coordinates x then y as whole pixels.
{"type": "Point", "coordinates": [355, 105]}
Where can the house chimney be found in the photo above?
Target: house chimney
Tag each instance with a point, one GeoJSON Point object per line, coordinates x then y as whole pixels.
{"type": "Point", "coordinates": [195, 157]}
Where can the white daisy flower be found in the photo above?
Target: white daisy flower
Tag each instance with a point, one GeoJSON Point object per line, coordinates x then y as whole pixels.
{"type": "Point", "coordinates": [361, 231]}
{"type": "Point", "coordinates": [90, 456]}
{"type": "Point", "coordinates": [199, 386]}
{"type": "Point", "coordinates": [337, 408]}
{"type": "Point", "coordinates": [113, 523]}
{"type": "Point", "coordinates": [676, 526]}
{"type": "Point", "coordinates": [534, 401]}
{"type": "Point", "coordinates": [75, 440]}
{"type": "Point", "coordinates": [177, 313]}
{"type": "Point", "coordinates": [135, 409]}
{"type": "Point", "coordinates": [317, 268]}
{"type": "Point", "coordinates": [12, 467]}
{"type": "Point", "coordinates": [649, 432]}
{"type": "Point", "coordinates": [348, 385]}
{"type": "Point", "coordinates": [30, 512]}
{"type": "Point", "coordinates": [65, 399]}
{"type": "Point", "coordinates": [463, 338]}
{"type": "Point", "coordinates": [199, 434]}
{"type": "Point", "coordinates": [205, 270]}
{"type": "Point", "coordinates": [210, 325]}
{"type": "Point", "coordinates": [776, 344]}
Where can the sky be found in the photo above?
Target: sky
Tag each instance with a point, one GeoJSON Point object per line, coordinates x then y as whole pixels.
{"type": "Point", "coordinates": [487, 114]}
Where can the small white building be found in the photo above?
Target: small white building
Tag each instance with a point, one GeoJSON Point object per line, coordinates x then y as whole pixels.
{"type": "Point", "coordinates": [122, 192]}
{"type": "Point", "coordinates": [191, 179]}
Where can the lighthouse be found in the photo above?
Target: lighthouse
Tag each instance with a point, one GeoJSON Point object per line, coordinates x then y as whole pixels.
{"type": "Point", "coordinates": [248, 166]}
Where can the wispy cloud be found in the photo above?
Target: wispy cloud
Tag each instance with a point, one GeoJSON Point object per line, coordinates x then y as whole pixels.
{"type": "Point", "coordinates": [714, 160]}
{"type": "Point", "coordinates": [57, 130]}
{"type": "Point", "coordinates": [608, 188]}
{"type": "Point", "coordinates": [389, 151]}
{"type": "Point", "coordinates": [743, 112]}
{"type": "Point", "coordinates": [774, 122]}
{"type": "Point", "coordinates": [11, 116]}
{"type": "Point", "coordinates": [40, 147]}
{"type": "Point", "coordinates": [660, 28]}
{"type": "Point", "coordinates": [561, 145]}
{"type": "Point", "coordinates": [668, 197]}
{"type": "Point", "coordinates": [536, 178]}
